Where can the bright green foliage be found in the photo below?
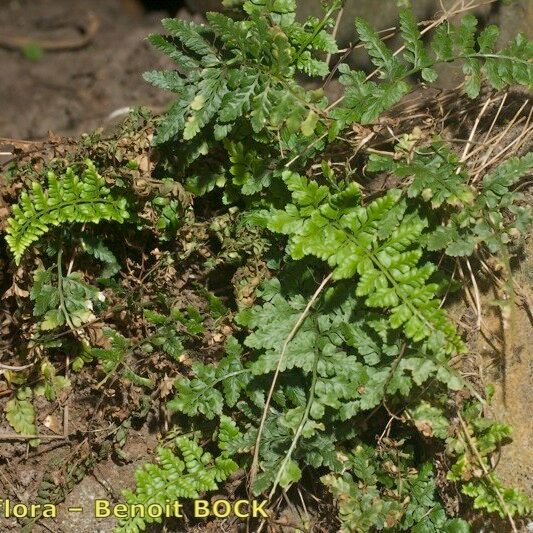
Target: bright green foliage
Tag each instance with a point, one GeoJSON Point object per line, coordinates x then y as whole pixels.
{"type": "Point", "coordinates": [250, 171]}
{"type": "Point", "coordinates": [380, 243]}
{"type": "Point", "coordinates": [62, 300]}
{"type": "Point", "coordinates": [20, 412]}
{"type": "Point", "coordinates": [369, 495]}
{"type": "Point", "coordinates": [365, 100]}
{"type": "Point", "coordinates": [235, 80]}
{"type": "Point", "coordinates": [377, 336]}
{"type": "Point", "coordinates": [493, 218]}
{"type": "Point", "coordinates": [483, 493]}
{"type": "Point", "coordinates": [354, 356]}
{"type": "Point", "coordinates": [69, 198]}
{"type": "Point", "coordinates": [175, 477]}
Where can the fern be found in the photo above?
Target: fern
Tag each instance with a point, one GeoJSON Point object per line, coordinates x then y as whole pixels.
{"type": "Point", "coordinates": [494, 218]}
{"type": "Point", "coordinates": [310, 388]}
{"type": "Point", "coordinates": [473, 469]}
{"type": "Point", "coordinates": [201, 395]}
{"type": "Point", "coordinates": [434, 173]}
{"type": "Point", "coordinates": [173, 478]}
{"type": "Point", "coordinates": [350, 364]}
{"type": "Point", "coordinates": [363, 241]}
{"type": "Point", "coordinates": [378, 335]}
{"type": "Point", "coordinates": [62, 300]}
{"type": "Point", "coordinates": [70, 198]}
{"type": "Point", "coordinates": [221, 82]}
{"type": "Point", "coordinates": [97, 249]}
{"type": "Point", "coordinates": [365, 100]}
{"type": "Point", "coordinates": [368, 495]}
{"type": "Point", "coordinates": [21, 414]}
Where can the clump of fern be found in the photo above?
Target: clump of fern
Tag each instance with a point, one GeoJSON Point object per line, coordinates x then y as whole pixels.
{"type": "Point", "coordinates": [379, 332]}
{"type": "Point", "coordinates": [314, 371]}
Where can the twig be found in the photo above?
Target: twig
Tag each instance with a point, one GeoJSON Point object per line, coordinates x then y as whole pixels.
{"type": "Point", "coordinates": [476, 294]}
{"type": "Point", "coordinates": [301, 425]}
{"type": "Point", "coordinates": [496, 140]}
{"type": "Point", "coordinates": [301, 318]}
{"type": "Point", "coordinates": [16, 436]}
{"type": "Point", "coordinates": [503, 150]}
{"type": "Point", "coordinates": [16, 42]}
{"type": "Point", "coordinates": [66, 407]}
{"type": "Point", "coordinates": [15, 368]}
{"type": "Point", "coordinates": [335, 30]}
{"type": "Point", "coordinates": [315, 142]}
{"type": "Point", "coordinates": [472, 133]}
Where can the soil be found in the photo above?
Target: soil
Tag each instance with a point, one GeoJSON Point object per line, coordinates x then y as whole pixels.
{"type": "Point", "coordinates": [72, 90]}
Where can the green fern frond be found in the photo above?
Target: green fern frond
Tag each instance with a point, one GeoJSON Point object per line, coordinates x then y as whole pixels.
{"type": "Point", "coordinates": [246, 74]}
{"type": "Point", "coordinates": [189, 476]}
{"type": "Point", "coordinates": [379, 53]}
{"type": "Point", "coordinates": [69, 198]}
{"type": "Point", "coordinates": [435, 171]}
{"type": "Point", "coordinates": [365, 496]}
{"type": "Point", "coordinates": [365, 100]}
{"type": "Point", "coordinates": [416, 52]}
{"type": "Point", "coordinates": [20, 412]}
{"type": "Point", "coordinates": [201, 395]}
{"type": "Point", "coordinates": [492, 218]}
{"type": "Point", "coordinates": [353, 242]}
{"type": "Point", "coordinates": [61, 300]}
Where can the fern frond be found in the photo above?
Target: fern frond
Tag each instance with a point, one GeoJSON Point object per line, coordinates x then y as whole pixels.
{"type": "Point", "coordinates": [170, 48]}
{"type": "Point", "coordinates": [188, 476]}
{"type": "Point", "coordinates": [379, 53]}
{"type": "Point", "coordinates": [201, 395]}
{"type": "Point", "coordinates": [190, 35]}
{"type": "Point", "coordinates": [416, 52]}
{"type": "Point", "coordinates": [496, 184]}
{"type": "Point", "coordinates": [255, 84]}
{"type": "Point", "coordinates": [283, 12]}
{"type": "Point", "coordinates": [492, 217]}
{"type": "Point", "coordinates": [351, 240]}
{"type": "Point", "coordinates": [100, 251]}
{"type": "Point", "coordinates": [434, 172]}
{"type": "Point", "coordinates": [70, 198]}
{"type": "Point", "coordinates": [364, 100]}
{"type": "Point", "coordinates": [20, 412]}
